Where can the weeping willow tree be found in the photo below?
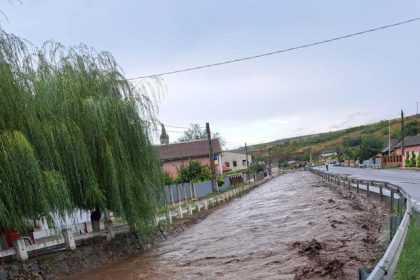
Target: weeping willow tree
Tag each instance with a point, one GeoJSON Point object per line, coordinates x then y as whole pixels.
{"type": "Point", "coordinates": [74, 134]}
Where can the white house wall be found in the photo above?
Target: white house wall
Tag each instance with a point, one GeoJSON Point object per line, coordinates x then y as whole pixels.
{"type": "Point", "coordinates": [229, 157]}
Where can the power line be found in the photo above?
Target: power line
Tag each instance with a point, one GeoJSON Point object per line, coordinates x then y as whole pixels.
{"type": "Point", "coordinates": [172, 131]}
{"type": "Point", "coordinates": [167, 125]}
{"type": "Point", "coordinates": [279, 51]}
{"type": "Point", "coordinates": [173, 126]}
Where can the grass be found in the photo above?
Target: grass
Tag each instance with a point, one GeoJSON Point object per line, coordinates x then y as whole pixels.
{"type": "Point", "coordinates": [388, 166]}
{"type": "Point", "coordinates": [409, 263]}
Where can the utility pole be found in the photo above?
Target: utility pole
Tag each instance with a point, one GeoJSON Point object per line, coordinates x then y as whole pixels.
{"type": "Point", "coordinates": [213, 185]}
{"type": "Point", "coordinates": [417, 108]}
{"type": "Point", "coordinates": [402, 132]}
{"type": "Point", "coordinates": [389, 137]}
{"type": "Point", "coordinates": [247, 162]}
{"type": "Point", "coordinates": [269, 161]}
{"type": "Point", "coordinates": [310, 155]}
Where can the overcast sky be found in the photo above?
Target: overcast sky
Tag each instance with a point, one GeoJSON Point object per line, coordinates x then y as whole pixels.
{"type": "Point", "coordinates": [323, 88]}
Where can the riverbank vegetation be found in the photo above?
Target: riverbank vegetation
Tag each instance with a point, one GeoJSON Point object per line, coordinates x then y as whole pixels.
{"type": "Point", "coordinates": [409, 263]}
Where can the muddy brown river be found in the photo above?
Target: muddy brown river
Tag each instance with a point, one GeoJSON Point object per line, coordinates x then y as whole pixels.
{"type": "Point", "coordinates": [293, 227]}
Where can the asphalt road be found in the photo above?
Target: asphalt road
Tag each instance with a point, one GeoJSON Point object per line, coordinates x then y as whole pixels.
{"type": "Point", "coordinates": [409, 180]}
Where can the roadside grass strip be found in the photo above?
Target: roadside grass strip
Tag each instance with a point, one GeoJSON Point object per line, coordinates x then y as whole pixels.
{"type": "Point", "coordinates": [409, 263]}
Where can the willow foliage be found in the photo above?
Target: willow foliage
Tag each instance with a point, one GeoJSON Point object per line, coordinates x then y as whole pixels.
{"type": "Point", "coordinates": [74, 133]}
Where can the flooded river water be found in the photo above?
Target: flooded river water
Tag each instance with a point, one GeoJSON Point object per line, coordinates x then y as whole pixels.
{"type": "Point", "coordinates": [293, 227]}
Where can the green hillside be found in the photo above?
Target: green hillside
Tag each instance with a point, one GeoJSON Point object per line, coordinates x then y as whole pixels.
{"type": "Point", "coordinates": [359, 142]}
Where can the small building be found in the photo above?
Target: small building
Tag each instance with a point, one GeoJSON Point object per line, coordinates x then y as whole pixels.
{"type": "Point", "coordinates": [328, 155]}
{"type": "Point", "coordinates": [411, 144]}
{"type": "Point", "coordinates": [389, 147]}
{"type": "Point", "coordinates": [388, 156]}
{"type": "Point", "coordinates": [235, 160]}
{"type": "Point", "coordinates": [174, 155]}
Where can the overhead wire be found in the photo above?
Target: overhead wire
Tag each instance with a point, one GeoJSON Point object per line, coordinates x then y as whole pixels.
{"type": "Point", "coordinates": [278, 51]}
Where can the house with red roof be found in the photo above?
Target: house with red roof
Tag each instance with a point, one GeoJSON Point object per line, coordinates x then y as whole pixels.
{"type": "Point", "coordinates": [411, 145]}
{"type": "Point", "coordinates": [174, 155]}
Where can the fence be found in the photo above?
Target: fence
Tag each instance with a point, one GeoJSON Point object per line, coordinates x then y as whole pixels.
{"type": "Point", "coordinates": [68, 239]}
{"type": "Point", "coordinates": [392, 160]}
{"type": "Point", "coordinates": [399, 202]}
{"type": "Point", "coordinates": [180, 192]}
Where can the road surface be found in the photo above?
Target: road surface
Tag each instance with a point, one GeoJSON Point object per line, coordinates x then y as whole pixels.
{"type": "Point", "coordinates": [292, 227]}
{"type": "Point", "coordinates": [409, 180]}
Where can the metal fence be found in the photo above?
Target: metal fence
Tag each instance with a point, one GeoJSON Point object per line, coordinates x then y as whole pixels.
{"type": "Point", "coordinates": [185, 191]}
{"type": "Point", "coordinates": [400, 207]}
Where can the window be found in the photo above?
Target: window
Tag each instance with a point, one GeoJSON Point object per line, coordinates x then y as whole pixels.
{"type": "Point", "coordinates": [244, 162]}
{"type": "Point", "coordinates": [227, 164]}
{"type": "Point", "coordinates": [234, 163]}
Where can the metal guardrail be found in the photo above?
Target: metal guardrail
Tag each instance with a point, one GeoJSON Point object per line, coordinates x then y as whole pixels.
{"type": "Point", "coordinates": [385, 268]}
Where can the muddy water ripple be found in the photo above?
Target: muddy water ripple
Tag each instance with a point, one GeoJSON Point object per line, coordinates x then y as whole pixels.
{"type": "Point", "coordinates": [293, 227]}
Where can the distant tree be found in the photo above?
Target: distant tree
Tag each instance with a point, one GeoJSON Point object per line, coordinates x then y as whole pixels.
{"type": "Point", "coordinates": [194, 171]}
{"type": "Point", "coordinates": [407, 160]}
{"type": "Point", "coordinates": [411, 128]}
{"type": "Point", "coordinates": [352, 141]}
{"type": "Point", "coordinates": [219, 180]}
{"type": "Point", "coordinates": [256, 167]}
{"type": "Point", "coordinates": [370, 146]}
{"type": "Point", "coordinates": [196, 132]}
{"type": "Point", "coordinates": [167, 178]}
{"type": "Point", "coordinates": [413, 159]}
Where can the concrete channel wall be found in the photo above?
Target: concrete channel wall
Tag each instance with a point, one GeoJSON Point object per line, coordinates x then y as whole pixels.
{"type": "Point", "coordinates": [69, 240]}
{"type": "Point", "coordinates": [398, 201]}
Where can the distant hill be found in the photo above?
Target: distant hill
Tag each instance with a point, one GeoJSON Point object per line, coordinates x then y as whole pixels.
{"type": "Point", "coordinates": [300, 147]}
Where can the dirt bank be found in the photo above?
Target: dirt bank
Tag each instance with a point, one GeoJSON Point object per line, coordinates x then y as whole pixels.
{"type": "Point", "coordinates": [293, 227]}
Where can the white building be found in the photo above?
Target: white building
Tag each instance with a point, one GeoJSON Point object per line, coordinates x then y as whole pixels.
{"type": "Point", "coordinates": [235, 161]}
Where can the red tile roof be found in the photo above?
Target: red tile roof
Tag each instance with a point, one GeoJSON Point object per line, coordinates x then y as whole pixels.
{"type": "Point", "coordinates": [188, 149]}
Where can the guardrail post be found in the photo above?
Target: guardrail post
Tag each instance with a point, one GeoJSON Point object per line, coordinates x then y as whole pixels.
{"type": "Point", "coordinates": [399, 206]}
{"type": "Point", "coordinates": [20, 248]}
{"type": "Point", "coordinates": [391, 201]}
{"type": "Point", "coordinates": [206, 205]}
{"type": "Point", "coordinates": [381, 192]}
{"type": "Point", "coordinates": [69, 239]}
{"type": "Point", "coordinates": [344, 182]}
{"type": "Point", "coordinates": [349, 185]}
{"type": "Point", "coordinates": [357, 187]}
{"type": "Point", "coordinates": [367, 189]}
